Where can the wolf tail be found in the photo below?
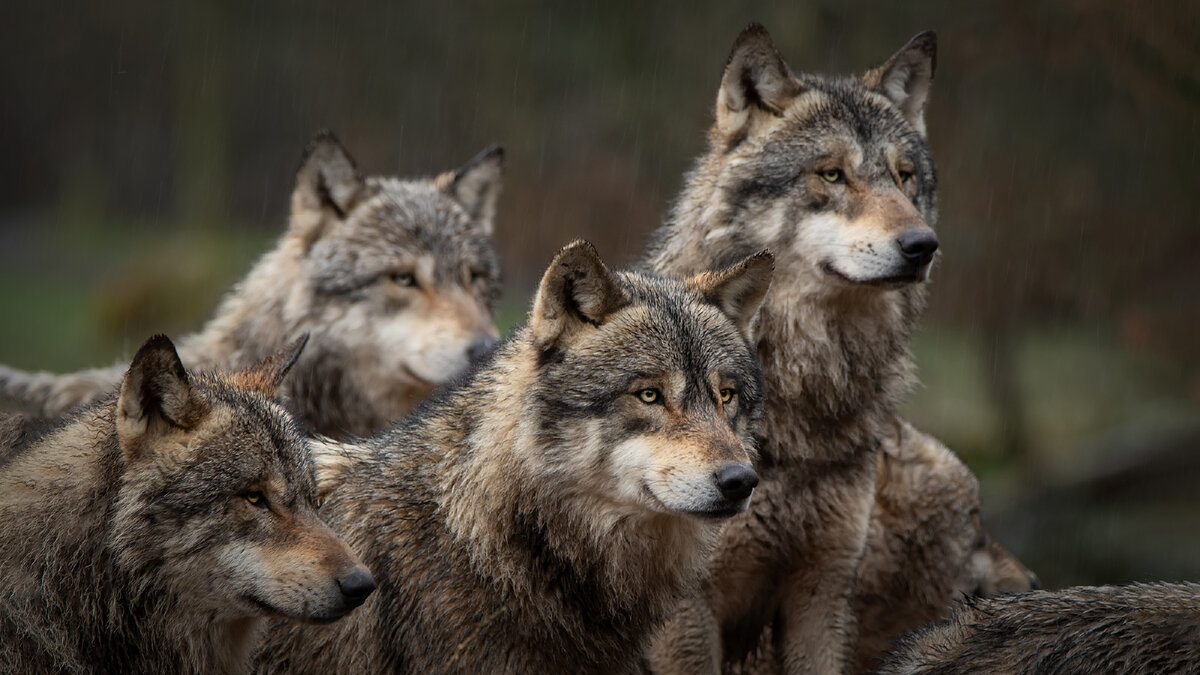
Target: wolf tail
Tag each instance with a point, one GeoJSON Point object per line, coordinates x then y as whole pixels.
{"type": "Point", "coordinates": [49, 394]}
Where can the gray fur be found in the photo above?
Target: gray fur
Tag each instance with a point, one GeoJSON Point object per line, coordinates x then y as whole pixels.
{"type": "Point", "coordinates": [130, 544]}
{"type": "Point", "coordinates": [1135, 630]}
{"type": "Point", "coordinates": [826, 172]}
{"type": "Point", "coordinates": [379, 345]}
{"type": "Point", "coordinates": [542, 517]}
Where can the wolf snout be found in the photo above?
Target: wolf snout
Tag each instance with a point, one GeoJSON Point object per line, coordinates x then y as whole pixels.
{"type": "Point", "coordinates": [918, 246]}
{"type": "Point", "coordinates": [356, 586]}
{"type": "Point", "coordinates": [736, 481]}
{"type": "Point", "coordinates": [481, 348]}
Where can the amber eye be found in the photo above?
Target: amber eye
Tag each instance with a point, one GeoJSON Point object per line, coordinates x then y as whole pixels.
{"type": "Point", "coordinates": [256, 498]}
{"type": "Point", "coordinates": [727, 395]}
{"type": "Point", "coordinates": [405, 279]}
{"type": "Point", "coordinates": [833, 176]}
{"type": "Point", "coordinates": [649, 396]}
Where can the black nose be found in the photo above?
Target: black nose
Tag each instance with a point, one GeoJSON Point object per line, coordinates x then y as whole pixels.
{"type": "Point", "coordinates": [1034, 582]}
{"type": "Point", "coordinates": [356, 586]}
{"type": "Point", "coordinates": [917, 246]}
{"type": "Point", "coordinates": [736, 481]}
{"type": "Point", "coordinates": [481, 348]}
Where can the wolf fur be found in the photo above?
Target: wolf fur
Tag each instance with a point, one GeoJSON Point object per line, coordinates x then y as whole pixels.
{"type": "Point", "coordinates": [835, 177]}
{"type": "Point", "coordinates": [1137, 630]}
{"type": "Point", "coordinates": [544, 516]}
{"type": "Point", "coordinates": [926, 545]}
{"type": "Point", "coordinates": [394, 279]}
{"type": "Point", "coordinates": [130, 540]}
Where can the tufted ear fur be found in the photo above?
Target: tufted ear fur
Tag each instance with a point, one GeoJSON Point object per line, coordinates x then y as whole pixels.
{"type": "Point", "coordinates": [476, 185]}
{"type": "Point", "coordinates": [906, 77]}
{"type": "Point", "coordinates": [267, 375]}
{"type": "Point", "coordinates": [757, 85]}
{"type": "Point", "coordinates": [577, 290]}
{"type": "Point", "coordinates": [155, 397]}
{"type": "Point", "coordinates": [738, 290]}
{"type": "Point", "coordinates": [328, 186]}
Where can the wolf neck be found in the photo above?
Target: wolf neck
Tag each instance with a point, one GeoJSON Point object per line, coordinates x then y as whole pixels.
{"type": "Point", "coordinates": [530, 512]}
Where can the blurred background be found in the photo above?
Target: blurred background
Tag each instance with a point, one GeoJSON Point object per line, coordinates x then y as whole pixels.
{"type": "Point", "coordinates": [149, 150]}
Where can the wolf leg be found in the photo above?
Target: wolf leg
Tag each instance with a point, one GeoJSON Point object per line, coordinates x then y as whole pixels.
{"type": "Point", "coordinates": [689, 643]}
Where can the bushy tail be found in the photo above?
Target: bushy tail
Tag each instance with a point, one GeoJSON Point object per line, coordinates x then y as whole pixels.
{"type": "Point", "coordinates": [50, 395]}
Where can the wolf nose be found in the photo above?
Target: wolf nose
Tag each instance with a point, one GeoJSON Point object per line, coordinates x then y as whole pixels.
{"type": "Point", "coordinates": [356, 586]}
{"type": "Point", "coordinates": [481, 348]}
{"type": "Point", "coordinates": [736, 481]}
{"type": "Point", "coordinates": [1035, 584]}
{"type": "Point", "coordinates": [918, 246]}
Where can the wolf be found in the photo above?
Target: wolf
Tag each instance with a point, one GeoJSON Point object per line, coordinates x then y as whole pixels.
{"type": "Point", "coordinates": [834, 175]}
{"type": "Point", "coordinates": [926, 545]}
{"type": "Point", "coordinates": [545, 515]}
{"type": "Point", "coordinates": [1137, 629]}
{"type": "Point", "coordinates": [155, 531]}
{"type": "Point", "coordinates": [395, 280]}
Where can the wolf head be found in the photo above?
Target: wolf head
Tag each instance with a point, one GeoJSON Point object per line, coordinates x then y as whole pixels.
{"type": "Point", "coordinates": [833, 174]}
{"type": "Point", "coordinates": [398, 283]}
{"type": "Point", "coordinates": [648, 387]}
{"type": "Point", "coordinates": [216, 495]}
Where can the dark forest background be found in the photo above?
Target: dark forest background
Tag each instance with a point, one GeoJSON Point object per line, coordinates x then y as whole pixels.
{"type": "Point", "coordinates": [148, 150]}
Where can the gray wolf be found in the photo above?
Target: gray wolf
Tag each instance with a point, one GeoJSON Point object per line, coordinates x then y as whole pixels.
{"type": "Point", "coordinates": [926, 545]}
{"type": "Point", "coordinates": [395, 280]}
{"type": "Point", "coordinates": [156, 531]}
{"type": "Point", "coordinates": [1136, 629]}
{"type": "Point", "coordinates": [835, 177]}
{"type": "Point", "coordinates": [546, 514]}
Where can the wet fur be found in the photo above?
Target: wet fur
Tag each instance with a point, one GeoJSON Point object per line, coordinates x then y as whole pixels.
{"type": "Point", "coordinates": [833, 336]}
{"type": "Point", "coordinates": [1137, 630]}
{"type": "Point", "coordinates": [528, 521]}
{"type": "Point", "coordinates": [377, 346]}
{"type": "Point", "coordinates": [127, 544]}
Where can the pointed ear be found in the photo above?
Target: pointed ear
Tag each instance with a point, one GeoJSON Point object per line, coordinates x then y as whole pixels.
{"type": "Point", "coordinates": [476, 185]}
{"type": "Point", "coordinates": [156, 396]}
{"type": "Point", "coordinates": [327, 186]}
{"type": "Point", "coordinates": [905, 78]}
{"type": "Point", "coordinates": [757, 84]}
{"type": "Point", "coordinates": [738, 290]}
{"type": "Point", "coordinates": [266, 375]}
{"type": "Point", "coordinates": [577, 290]}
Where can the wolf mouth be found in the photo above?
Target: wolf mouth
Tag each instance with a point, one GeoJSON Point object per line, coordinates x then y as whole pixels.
{"type": "Point", "coordinates": [892, 281]}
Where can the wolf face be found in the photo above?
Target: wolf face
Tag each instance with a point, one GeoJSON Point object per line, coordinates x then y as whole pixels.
{"type": "Point", "coordinates": [656, 381]}
{"type": "Point", "coordinates": [216, 495]}
{"type": "Point", "coordinates": [833, 174]}
{"type": "Point", "coordinates": [401, 280]}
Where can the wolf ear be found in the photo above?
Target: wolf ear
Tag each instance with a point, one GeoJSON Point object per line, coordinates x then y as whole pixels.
{"type": "Point", "coordinates": [156, 395]}
{"type": "Point", "coordinates": [266, 375]}
{"type": "Point", "coordinates": [738, 290]}
{"type": "Point", "coordinates": [905, 78]}
{"type": "Point", "coordinates": [757, 84]}
{"type": "Point", "coordinates": [576, 290]}
{"type": "Point", "coordinates": [476, 185]}
{"type": "Point", "coordinates": [327, 184]}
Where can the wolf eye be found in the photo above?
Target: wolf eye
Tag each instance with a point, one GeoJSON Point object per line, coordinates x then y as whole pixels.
{"type": "Point", "coordinates": [649, 396]}
{"type": "Point", "coordinates": [726, 395]}
{"type": "Point", "coordinates": [404, 279]}
{"type": "Point", "coordinates": [256, 498]}
{"type": "Point", "coordinates": [833, 176]}
{"type": "Point", "coordinates": [905, 176]}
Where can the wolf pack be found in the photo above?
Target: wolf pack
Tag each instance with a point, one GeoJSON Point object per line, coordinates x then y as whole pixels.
{"type": "Point", "coordinates": [694, 465]}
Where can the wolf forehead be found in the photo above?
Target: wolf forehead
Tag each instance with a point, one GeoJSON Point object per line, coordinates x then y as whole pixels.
{"type": "Point", "coordinates": [834, 117]}
{"type": "Point", "coordinates": [396, 222]}
{"type": "Point", "coordinates": [666, 326]}
{"type": "Point", "coordinates": [249, 436]}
